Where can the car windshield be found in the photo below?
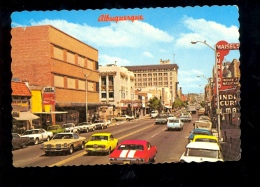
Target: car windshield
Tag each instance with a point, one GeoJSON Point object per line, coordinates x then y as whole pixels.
{"type": "Point", "coordinates": [31, 132]}
{"type": "Point", "coordinates": [174, 121]}
{"type": "Point", "coordinates": [67, 125]}
{"type": "Point", "coordinates": [99, 138]}
{"type": "Point", "coordinates": [52, 128]}
{"type": "Point", "coordinates": [62, 136]}
{"type": "Point", "coordinates": [202, 153]}
{"type": "Point", "coordinates": [131, 147]}
{"type": "Point", "coordinates": [81, 124]}
{"type": "Point", "coordinates": [205, 140]}
{"type": "Point", "coordinates": [201, 132]}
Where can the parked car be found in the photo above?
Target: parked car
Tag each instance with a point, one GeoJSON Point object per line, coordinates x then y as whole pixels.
{"type": "Point", "coordinates": [204, 118]}
{"type": "Point", "coordinates": [133, 152]}
{"type": "Point", "coordinates": [124, 117]}
{"type": "Point", "coordinates": [55, 129]}
{"type": "Point", "coordinates": [70, 127]}
{"type": "Point", "coordinates": [186, 117]}
{"type": "Point", "coordinates": [38, 135]}
{"type": "Point", "coordinates": [205, 124]}
{"type": "Point", "coordinates": [205, 138]}
{"type": "Point", "coordinates": [100, 124]}
{"type": "Point", "coordinates": [103, 142]}
{"type": "Point", "coordinates": [202, 152]}
{"type": "Point", "coordinates": [86, 127]}
{"type": "Point", "coordinates": [64, 142]}
{"type": "Point", "coordinates": [19, 142]}
{"type": "Point", "coordinates": [197, 132]}
{"type": "Point", "coordinates": [174, 123]}
{"type": "Point", "coordinates": [201, 111]}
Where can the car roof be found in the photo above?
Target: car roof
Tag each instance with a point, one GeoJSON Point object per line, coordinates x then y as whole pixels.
{"type": "Point", "coordinates": [203, 145]}
{"type": "Point", "coordinates": [205, 136]}
{"type": "Point", "coordinates": [200, 130]}
{"type": "Point", "coordinates": [142, 142]}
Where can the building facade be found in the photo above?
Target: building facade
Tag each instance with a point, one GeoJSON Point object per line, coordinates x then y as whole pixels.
{"type": "Point", "coordinates": [117, 89]}
{"type": "Point", "coordinates": [163, 75]}
{"type": "Point", "coordinates": [68, 68]}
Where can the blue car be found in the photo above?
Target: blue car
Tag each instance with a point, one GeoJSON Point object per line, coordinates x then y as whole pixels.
{"type": "Point", "coordinates": [198, 131]}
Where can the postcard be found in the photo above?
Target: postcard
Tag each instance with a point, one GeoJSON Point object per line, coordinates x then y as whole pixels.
{"type": "Point", "coordinates": [125, 86]}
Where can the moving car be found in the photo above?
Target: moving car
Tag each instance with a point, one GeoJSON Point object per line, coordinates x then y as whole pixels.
{"type": "Point", "coordinates": [38, 135]}
{"type": "Point", "coordinates": [161, 119]}
{"type": "Point", "coordinates": [19, 142]}
{"type": "Point", "coordinates": [174, 123]}
{"type": "Point", "coordinates": [124, 117]}
{"type": "Point", "coordinates": [186, 117]}
{"type": "Point", "coordinates": [64, 142]}
{"type": "Point", "coordinates": [133, 152]}
{"type": "Point", "coordinates": [202, 152]}
{"type": "Point", "coordinates": [198, 131]}
{"type": "Point", "coordinates": [55, 129]}
{"type": "Point", "coordinates": [205, 138]}
{"type": "Point", "coordinates": [102, 142]}
{"type": "Point", "coordinates": [154, 114]}
{"type": "Point", "coordinates": [201, 111]}
{"type": "Point", "coordinates": [86, 127]}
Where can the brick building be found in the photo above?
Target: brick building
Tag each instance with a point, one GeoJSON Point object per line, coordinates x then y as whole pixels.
{"type": "Point", "coordinates": [47, 57]}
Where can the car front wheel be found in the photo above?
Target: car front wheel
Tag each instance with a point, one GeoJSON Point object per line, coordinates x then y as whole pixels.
{"type": "Point", "coordinates": [71, 149]}
{"type": "Point", "coordinates": [82, 146]}
{"type": "Point", "coordinates": [36, 141]}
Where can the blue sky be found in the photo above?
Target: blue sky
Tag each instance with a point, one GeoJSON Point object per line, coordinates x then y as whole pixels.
{"type": "Point", "coordinates": [165, 33]}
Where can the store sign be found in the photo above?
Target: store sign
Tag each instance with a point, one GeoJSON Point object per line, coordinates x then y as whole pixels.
{"type": "Point", "coordinates": [48, 96]}
{"type": "Point", "coordinates": [228, 102]}
{"type": "Point", "coordinates": [226, 78]}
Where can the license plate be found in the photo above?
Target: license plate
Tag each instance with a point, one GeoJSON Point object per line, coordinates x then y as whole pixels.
{"type": "Point", "coordinates": [126, 162]}
{"type": "Point", "coordinates": [95, 146]}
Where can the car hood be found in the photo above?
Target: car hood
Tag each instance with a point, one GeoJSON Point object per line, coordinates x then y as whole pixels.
{"type": "Point", "coordinates": [199, 159]}
{"type": "Point", "coordinates": [127, 154]}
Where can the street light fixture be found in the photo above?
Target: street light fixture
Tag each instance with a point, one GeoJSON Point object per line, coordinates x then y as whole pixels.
{"type": "Point", "coordinates": [217, 86]}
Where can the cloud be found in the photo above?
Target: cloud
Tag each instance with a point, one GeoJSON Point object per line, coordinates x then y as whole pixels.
{"type": "Point", "coordinates": [105, 59]}
{"type": "Point", "coordinates": [148, 54]}
{"type": "Point", "coordinates": [201, 30]}
{"type": "Point", "coordinates": [121, 34]}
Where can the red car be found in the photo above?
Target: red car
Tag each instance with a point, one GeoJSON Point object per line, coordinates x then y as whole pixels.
{"type": "Point", "coordinates": [133, 152]}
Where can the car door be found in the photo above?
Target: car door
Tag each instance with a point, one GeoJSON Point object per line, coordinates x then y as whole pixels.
{"type": "Point", "coordinates": [76, 140]}
{"type": "Point", "coordinates": [113, 141]}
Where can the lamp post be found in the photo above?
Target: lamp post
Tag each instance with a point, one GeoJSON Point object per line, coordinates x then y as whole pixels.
{"type": "Point", "coordinates": [217, 86]}
{"type": "Point", "coordinates": [132, 101]}
{"type": "Point", "coordinates": [120, 95]}
{"type": "Point", "coordinates": [86, 94]}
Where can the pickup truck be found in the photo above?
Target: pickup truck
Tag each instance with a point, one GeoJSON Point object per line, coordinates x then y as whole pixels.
{"type": "Point", "coordinates": [161, 119]}
{"type": "Point", "coordinates": [37, 135]}
{"type": "Point", "coordinates": [70, 127]}
{"type": "Point", "coordinates": [124, 118]}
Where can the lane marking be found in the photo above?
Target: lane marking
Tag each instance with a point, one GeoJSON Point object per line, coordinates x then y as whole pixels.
{"type": "Point", "coordinates": [154, 135]}
{"type": "Point", "coordinates": [60, 163]}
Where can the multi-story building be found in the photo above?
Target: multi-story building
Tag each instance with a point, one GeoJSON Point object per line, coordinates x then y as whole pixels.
{"type": "Point", "coordinates": [61, 65]}
{"type": "Point", "coordinates": [163, 75]}
{"type": "Point", "coordinates": [117, 88]}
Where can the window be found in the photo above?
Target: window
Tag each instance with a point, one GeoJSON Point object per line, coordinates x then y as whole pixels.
{"type": "Point", "coordinates": [111, 94]}
{"type": "Point", "coordinates": [103, 95]}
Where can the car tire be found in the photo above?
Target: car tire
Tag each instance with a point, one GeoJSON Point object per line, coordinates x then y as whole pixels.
{"type": "Point", "coordinates": [109, 151]}
{"type": "Point", "coordinates": [71, 149]}
{"type": "Point", "coordinates": [82, 147]}
{"type": "Point", "coordinates": [48, 138]}
{"type": "Point", "coordinates": [36, 141]}
{"type": "Point", "coordinates": [87, 130]}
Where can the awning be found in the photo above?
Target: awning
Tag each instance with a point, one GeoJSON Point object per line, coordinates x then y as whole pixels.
{"type": "Point", "coordinates": [26, 116]}
{"type": "Point", "coordinates": [52, 112]}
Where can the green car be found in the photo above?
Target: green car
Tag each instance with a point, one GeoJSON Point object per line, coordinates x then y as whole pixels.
{"type": "Point", "coordinates": [55, 129]}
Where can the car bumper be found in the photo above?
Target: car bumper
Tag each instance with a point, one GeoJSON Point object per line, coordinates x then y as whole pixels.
{"type": "Point", "coordinates": [96, 150]}
{"type": "Point", "coordinates": [56, 149]}
{"type": "Point", "coordinates": [128, 161]}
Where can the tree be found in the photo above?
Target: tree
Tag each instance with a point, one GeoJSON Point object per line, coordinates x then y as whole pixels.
{"type": "Point", "coordinates": [154, 103]}
{"type": "Point", "coordinates": [178, 103]}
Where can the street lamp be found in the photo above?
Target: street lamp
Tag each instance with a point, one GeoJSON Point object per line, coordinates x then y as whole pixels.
{"type": "Point", "coordinates": [86, 94]}
{"type": "Point", "coordinates": [132, 101]}
{"type": "Point", "coordinates": [217, 86]}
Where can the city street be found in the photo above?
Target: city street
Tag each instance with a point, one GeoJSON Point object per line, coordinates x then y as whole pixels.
{"type": "Point", "coordinates": [170, 145]}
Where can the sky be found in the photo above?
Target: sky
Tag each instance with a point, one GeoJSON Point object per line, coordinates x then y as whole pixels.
{"type": "Point", "coordinates": [163, 33]}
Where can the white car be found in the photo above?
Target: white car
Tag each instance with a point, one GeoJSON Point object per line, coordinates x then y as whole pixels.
{"type": "Point", "coordinates": [100, 124]}
{"type": "Point", "coordinates": [202, 152]}
{"type": "Point", "coordinates": [174, 123]}
{"type": "Point", "coordinates": [37, 135]}
{"type": "Point", "coordinates": [70, 127]}
{"type": "Point", "coordinates": [154, 114]}
{"type": "Point", "coordinates": [85, 127]}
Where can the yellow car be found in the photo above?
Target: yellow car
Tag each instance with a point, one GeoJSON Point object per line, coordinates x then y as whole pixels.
{"type": "Point", "coordinates": [205, 138]}
{"type": "Point", "coordinates": [102, 142]}
{"type": "Point", "coordinates": [64, 142]}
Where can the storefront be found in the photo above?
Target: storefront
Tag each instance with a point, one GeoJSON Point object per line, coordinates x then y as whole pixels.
{"type": "Point", "coordinates": [24, 121]}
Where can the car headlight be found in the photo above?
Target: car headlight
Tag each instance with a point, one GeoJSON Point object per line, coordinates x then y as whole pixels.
{"type": "Point", "coordinates": [102, 146]}
{"type": "Point", "coordinates": [112, 159]}
{"type": "Point", "coordinates": [65, 145]}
